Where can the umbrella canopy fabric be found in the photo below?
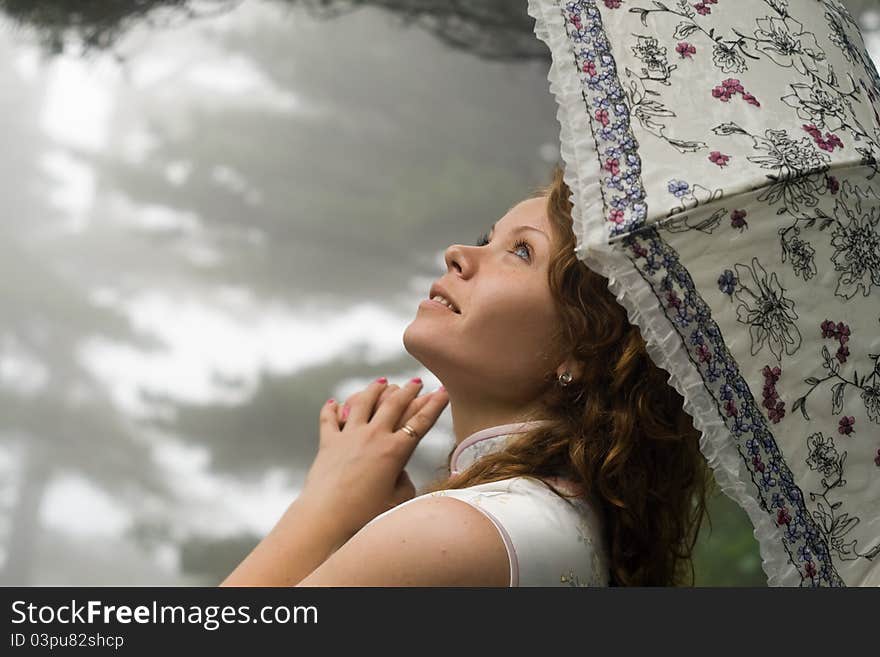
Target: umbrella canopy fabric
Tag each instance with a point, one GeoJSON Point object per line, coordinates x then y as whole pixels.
{"type": "Point", "coordinates": [722, 157]}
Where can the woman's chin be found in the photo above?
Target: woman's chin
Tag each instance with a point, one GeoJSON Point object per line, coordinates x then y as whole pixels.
{"type": "Point", "coordinates": [422, 344]}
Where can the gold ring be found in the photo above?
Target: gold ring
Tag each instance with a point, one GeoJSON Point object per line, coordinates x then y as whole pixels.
{"type": "Point", "coordinates": [410, 430]}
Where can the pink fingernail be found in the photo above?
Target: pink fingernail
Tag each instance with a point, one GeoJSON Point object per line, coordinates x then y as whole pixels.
{"type": "Point", "coordinates": [416, 379]}
{"type": "Point", "coordinates": [442, 388]}
{"type": "Point", "coordinates": [382, 379]}
{"type": "Point", "coordinates": [330, 401]}
{"type": "Point", "coordinates": [345, 410]}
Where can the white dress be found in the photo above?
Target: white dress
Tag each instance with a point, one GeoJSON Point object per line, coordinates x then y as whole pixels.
{"type": "Point", "coordinates": [550, 541]}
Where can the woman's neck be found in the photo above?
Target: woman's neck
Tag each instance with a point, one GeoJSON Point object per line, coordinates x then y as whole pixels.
{"type": "Point", "coordinates": [469, 418]}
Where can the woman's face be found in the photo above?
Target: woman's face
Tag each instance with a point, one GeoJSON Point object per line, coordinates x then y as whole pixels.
{"type": "Point", "coordinates": [497, 347]}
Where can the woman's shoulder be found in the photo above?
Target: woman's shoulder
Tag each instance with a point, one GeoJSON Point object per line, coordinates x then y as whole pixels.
{"type": "Point", "coordinates": [549, 538]}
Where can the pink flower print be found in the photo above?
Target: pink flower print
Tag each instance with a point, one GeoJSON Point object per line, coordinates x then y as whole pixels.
{"type": "Point", "coordinates": [782, 517]}
{"type": "Point", "coordinates": [732, 85]}
{"type": "Point", "coordinates": [777, 413]}
{"type": "Point", "coordinates": [829, 143]}
{"type": "Point", "coordinates": [616, 216]}
{"type": "Point", "coordinates": [575, 20]}
{"type": "Point", "coordinates": [590, 68]}
{"type": "Point", "coordinates": [730, 408]}
{"type": "Point", "coordinates": [759, 465]}
{"type": "Point", "coordinates": [602, 116]}
{"type": "Point", "coordinates": [770, 396]}
{"type": "Point", "coordinates": [829, 329]}
{"type": "Point", "coordinates": [612, 4]}
{"type": "Point", "coordinates": [775, 408]}
{"type": "Point", "coordinates": [719, 158]}
{"type": "Point", "coordinates": [810, 568]}
{"type": "Point", "coordinates": [703, 353]}
{"type": "Point", "coordinates": [832, 183]}
{"type": "Point", "coordinates": [702, 9]}
{"type": "Point", "coordinates": [846, 425]}
{"type": "Point", "coordinates": [839, 331]}
{"type": "Point", "coordinates": [685, 49]}
{"type": "Point", "coordinates": [813, 130]}
{"type": "Point", "coordinates": [877, 459]}
{"type": "Point", "coordinates": [771, 376]}
{"type": "Point", "coordinates": [613, 165]}
{"type": "Point", "coordinates": [738, 219]}
{"type": "Point", "coordinates": [721, 94]}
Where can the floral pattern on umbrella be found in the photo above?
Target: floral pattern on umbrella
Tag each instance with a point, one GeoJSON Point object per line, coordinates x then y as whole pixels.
{"type": "Point", "coordinates": [722, 156]}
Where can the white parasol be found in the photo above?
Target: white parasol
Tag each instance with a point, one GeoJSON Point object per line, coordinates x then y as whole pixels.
{"type": "Point", "coordinates": [722, 157]}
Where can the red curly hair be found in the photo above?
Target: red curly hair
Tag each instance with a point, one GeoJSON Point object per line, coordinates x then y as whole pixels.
{"type": "Point", "coordinates": [620, 431]}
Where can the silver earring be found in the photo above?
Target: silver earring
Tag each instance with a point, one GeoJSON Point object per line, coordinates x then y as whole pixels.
{"type": "Point", "coordinates": [564, 379]}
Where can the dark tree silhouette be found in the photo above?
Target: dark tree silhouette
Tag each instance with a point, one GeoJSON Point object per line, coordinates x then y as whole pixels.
{"type": "Point", "coordinates": [491, 29]}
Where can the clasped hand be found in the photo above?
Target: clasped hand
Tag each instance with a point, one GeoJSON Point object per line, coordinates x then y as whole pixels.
{"type": "Point", "coordinates": [358, 472]}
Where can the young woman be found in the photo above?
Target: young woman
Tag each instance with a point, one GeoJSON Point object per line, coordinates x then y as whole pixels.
{"type": "Point", "coordinates": [574, 465]}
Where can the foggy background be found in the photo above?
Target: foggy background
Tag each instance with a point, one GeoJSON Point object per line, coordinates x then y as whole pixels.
{"type": "Point", "coordinates": [216, 215]}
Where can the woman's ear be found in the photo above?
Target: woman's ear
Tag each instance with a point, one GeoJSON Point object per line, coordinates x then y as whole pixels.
{"type": "Point", "coordinates": [575, 368]}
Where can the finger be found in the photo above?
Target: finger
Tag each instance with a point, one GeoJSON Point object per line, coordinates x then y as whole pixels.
{"type": "Point", "coordinates": [327, 423]}
{"type": "Point", "coordinates": [340, 413]}
{"type": "Point", "coordinates": [390, 389]}
{"type": "Point", "coordinates": [414, 407]}
{"type": "Point", "coordinates": [362, 407]}
{"type": "Point", "coordinates": [343, 409]}
{"type": "Point", "coordinates": [389, 414]}
{"type": "Point", "coordinates": [422, 421]}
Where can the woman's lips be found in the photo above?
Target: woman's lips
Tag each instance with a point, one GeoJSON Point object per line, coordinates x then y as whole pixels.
{"type": "Point", "coordinates": [430, 303]}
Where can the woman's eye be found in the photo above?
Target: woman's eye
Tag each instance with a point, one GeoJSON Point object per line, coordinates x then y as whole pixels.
{"type": "Point", "coordinates": [521, 244]}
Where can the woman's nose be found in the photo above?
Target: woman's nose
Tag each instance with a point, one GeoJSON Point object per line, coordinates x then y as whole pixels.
{"type": "Point", "coordinates": [453, 257]}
